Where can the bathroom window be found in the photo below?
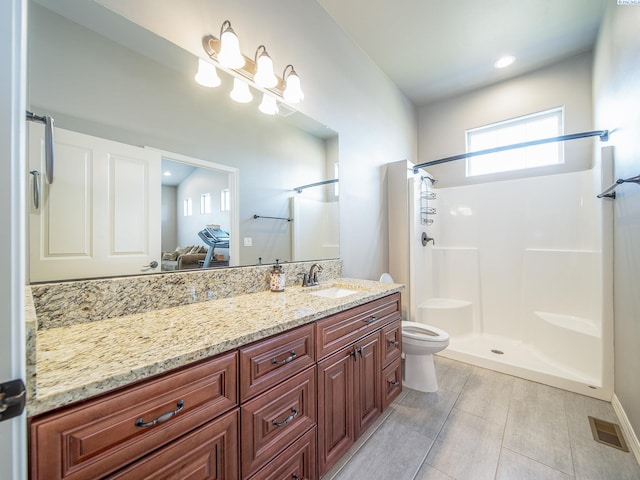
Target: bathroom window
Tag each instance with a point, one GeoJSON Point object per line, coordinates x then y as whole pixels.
{"type": "Point", "coordinates": [187, 206]}
{"type": "Point", "coordinates": [225, 200]}
{"type": "Point", "coordinates": [205, 203]}
{"type": "Point", "coordinates": [517, 130]}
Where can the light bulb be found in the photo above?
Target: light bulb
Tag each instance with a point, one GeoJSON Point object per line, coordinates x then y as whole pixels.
{"type": "Point", "coordinates": [240, 92]}
{"type": "Point", "coordinates": [207, 75]}
{"type": "Point", "coordinates": [264, 76]}
{"type": "Point", "coordinates": [504, 61]}
{"type": "Point", "coordinates": [230, 55]}
{"type": "Point", "coordinates": [292, 92]}
{"type": "Point", "coordinates": [268, 106]}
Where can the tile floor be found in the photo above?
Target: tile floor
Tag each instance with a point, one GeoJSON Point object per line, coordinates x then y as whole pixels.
{"type": "Point", "coordinates": [482, 424]}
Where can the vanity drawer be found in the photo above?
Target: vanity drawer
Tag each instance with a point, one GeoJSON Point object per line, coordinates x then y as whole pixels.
{"type": "Point", "coordinates": [346, 327]}
{"type": "Point", "coordinates": [391, 382]}
{"type": "Point", "coordinates": [298, 461]}
{"type": "Point", "coordinates": [270, 361]}
{"type": "Point", "coordinates": [391, 342]}
{"type": "Point", "coordinates": [209, 453]}
{"type": "Point", "coordinates": [271, 421]}
{"type": "Point", "coordinates": [99, 436]}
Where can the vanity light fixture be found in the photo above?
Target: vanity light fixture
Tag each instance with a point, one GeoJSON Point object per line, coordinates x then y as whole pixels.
{"type": "Point", "coordinates": [256, 72]}
{"type": "Point", "coordinates": [240, 92]}
{"type": "Point", "coordinates": [207, 75]}
{"type": "Point", "coordinates": [229, 55]}
{"type": "Point", "coordinates": [292, 92]}
{"type": "Point", "coordinates": [264, 76]}
{"type": "Point", "coordinates": [268, 106]}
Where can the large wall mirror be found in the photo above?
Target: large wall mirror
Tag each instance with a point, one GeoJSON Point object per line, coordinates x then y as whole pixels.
{"type": "Point", "coordinates": [155, 159]}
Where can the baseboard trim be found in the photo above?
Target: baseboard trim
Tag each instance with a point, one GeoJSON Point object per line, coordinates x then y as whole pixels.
{"type": "Point", "coordinates": [627, 429]}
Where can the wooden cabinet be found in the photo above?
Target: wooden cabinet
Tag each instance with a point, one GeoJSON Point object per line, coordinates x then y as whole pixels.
{"type": "Point", "coordinates": [99, 436]}
{"type": "Point", "coordinates": [209, 453]}
{"type": "Point", "coordinates": [270, 361]}
{"type": "Point", "coordinates": [273, 420]}
{"type": "Point", "coordinates": [391, 382]}
{"type": "Point", "coordinates": [297, 416]}
{"type": "Point", "coordinates": [351, 381]}
{"type": "Point", "coordinates": [344, 328]}
{"type": "Point", "coordinates": [297, 462]}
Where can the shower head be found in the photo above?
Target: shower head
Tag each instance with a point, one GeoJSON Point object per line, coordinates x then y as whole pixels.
{"type": "Point", "coordinates": [432, 180]}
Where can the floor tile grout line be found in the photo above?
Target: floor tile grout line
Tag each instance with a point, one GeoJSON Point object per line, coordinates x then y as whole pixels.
{"type": "Point", "coordinates": [453, 405]}
{"type": "Point", "coordinates": [540, 463]}
{"type": "Point", "coordinates": [504, 431]}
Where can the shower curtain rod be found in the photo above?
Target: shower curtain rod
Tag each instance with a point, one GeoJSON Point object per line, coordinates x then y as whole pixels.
{"type": "Point", "coordinates": [317, 184]}
{"type": "Point", "coordinates": [603, 134]}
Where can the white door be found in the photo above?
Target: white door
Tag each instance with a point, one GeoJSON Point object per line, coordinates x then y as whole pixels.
{"type": "Point", "coordinates": [12, 126]}
{"type": "Point", "coordinates": [100, 216]}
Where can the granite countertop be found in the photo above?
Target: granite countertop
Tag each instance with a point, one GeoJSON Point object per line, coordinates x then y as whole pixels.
{"type": "Point", "coordinates": [78, 361]}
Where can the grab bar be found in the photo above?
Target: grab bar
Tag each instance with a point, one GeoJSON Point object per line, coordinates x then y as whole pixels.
{"type": "Point", "coordinates": [273, 218]}
{"type": "Point", "coordinates": [609, 192]}
{"type": "Point", "coordinates": [48, 142]}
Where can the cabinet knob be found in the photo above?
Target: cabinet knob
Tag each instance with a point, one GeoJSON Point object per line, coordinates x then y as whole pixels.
{"type": "Point", "coordinates": [369, 320]}
{"type": "Point", "coordinates": [393, 343]}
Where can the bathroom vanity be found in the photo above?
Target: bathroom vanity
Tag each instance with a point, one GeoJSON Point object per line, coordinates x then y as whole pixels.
{"type": "Point", "coordinates": [256, 386]}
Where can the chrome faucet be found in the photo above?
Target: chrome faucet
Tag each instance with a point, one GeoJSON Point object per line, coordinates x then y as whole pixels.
{"type": "Point", "coordinates": [310, 279]}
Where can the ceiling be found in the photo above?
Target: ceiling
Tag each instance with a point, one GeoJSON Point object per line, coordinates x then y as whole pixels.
{"type": "Point", "coordinates": [434, 49]}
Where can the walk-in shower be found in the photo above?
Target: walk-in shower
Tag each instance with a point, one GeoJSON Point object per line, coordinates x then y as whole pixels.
{"type": "Point", "coordinates": [518, 272]}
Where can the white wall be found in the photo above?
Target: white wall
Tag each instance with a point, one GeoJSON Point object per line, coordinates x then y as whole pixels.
{"type": "Point", "coordinates": [201, 181]}
{"type": "Point", "coordinates": [169, 240]}
{"type": "Point", "coordinates": [343, 89]}
{"type": "Point", "coordinates": [617, 108]}
{"type": "Point", "coordinates": [442, 124]}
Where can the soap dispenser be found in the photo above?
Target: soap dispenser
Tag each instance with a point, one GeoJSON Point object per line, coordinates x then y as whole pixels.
{"type": "Point", "coordinates": [277, 278]}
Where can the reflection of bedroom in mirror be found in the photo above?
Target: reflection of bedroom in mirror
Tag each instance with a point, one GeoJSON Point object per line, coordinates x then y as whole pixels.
{"type": "Point", "coordinates": [196, 217]}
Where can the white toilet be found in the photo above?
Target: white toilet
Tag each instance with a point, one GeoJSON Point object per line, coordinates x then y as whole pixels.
{"type": "Point", "coordinates": [419, 343]}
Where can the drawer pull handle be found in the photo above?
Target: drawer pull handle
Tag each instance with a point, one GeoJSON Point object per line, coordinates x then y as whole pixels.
{"type": "Point", "coordinates": [162, 418]}
{"type": "Point", "coordinates": [369, 320]}
{"type": "Point", "coordinates": [291, 356]}
{"type": "Point", "coordinates": [393, 343]}
{"type": "Point", "coordinates": [294, 414]}
{"type": "Point", "coordinates": [355, 353]}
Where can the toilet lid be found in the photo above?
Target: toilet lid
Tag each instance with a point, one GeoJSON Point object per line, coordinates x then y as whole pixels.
{"type": "Point", "coordinates": [386, 278]}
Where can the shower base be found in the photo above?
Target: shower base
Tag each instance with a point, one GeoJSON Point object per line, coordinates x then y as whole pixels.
{"type": "Point", "coordinates": [519, 359]}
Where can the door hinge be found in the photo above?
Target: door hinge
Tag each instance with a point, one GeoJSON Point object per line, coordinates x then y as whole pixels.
{"type": "Point", "coordinates": [13, 398]}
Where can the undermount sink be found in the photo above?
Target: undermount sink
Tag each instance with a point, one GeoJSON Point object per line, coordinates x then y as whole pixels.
{"type": "Point", "coordinates": [334, 292]}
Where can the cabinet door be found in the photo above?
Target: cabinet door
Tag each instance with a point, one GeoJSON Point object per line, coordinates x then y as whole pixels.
{"type": "Point", "coordinates": [336, 429]}
{"type": "Point", "coordinates": [209, 453]}
{"type": "Point", "coordinates": [368, 401]}
{"type": "Point", "coordinates": [391, 382]}
{"type": "Point", "coordinates": [391, 342]}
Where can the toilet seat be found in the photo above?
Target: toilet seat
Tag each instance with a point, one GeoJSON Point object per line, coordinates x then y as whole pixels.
{"type": "Point", "coordinates": [422, 332]}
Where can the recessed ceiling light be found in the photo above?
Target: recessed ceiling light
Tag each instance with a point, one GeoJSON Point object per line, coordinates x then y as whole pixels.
{"type": "Point", "coordinates": [505, 61]}
{"type": "Point", "coordinates": [167, 173]}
